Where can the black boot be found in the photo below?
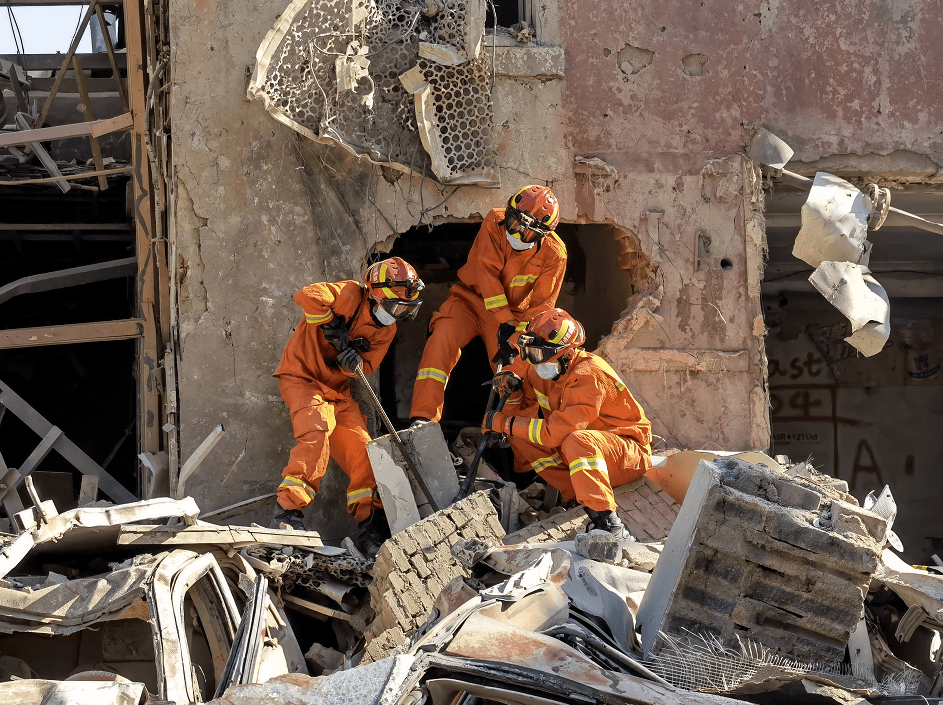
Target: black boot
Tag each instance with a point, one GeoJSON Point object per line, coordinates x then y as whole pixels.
{"type": "Point", "coordinates": [610, 523]}
{"type": "Point", "coordinates": [293, 517]}
{"type": "Point", "coordinates": [373, 532]}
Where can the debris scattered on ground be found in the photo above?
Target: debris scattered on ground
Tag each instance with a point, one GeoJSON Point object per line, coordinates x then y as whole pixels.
{"type": "Point", "coordinates": [771, 580]}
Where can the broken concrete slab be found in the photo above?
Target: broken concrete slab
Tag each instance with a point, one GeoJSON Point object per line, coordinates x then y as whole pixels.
{"type": "Point", "coordinates": [431, 456]}
{"type": "Point", "coordinates": [738, 565]}
{"type": "Point", "coordinates": [207, 534]}
{"type": "Point", "coordinates": [72, 692]}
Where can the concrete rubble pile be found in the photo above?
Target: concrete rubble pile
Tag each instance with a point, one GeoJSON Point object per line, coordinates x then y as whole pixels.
{"type": "Point", "coordinates": [773, 585]}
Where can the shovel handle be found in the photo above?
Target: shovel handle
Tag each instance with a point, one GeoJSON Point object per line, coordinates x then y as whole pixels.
{"type": "Point", "coordinates": [473, 468]}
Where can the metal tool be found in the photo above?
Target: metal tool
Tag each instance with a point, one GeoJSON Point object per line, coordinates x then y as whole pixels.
{"type": "Point", "coordinates": [473, 468]}
{"type": "Point", "coordinates": [397, 441]}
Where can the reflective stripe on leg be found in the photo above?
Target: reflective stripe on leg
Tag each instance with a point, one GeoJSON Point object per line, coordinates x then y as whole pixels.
{"type": "Point", "coordinates": [295, 483]}
{"type": "Point", "coordinates": [358, 495]}
{"type": "Point", "coordinates": [596, 463]}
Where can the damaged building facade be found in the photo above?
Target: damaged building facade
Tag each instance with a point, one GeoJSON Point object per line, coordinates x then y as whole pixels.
{"type": "Point", "coordinates": [638, 119]}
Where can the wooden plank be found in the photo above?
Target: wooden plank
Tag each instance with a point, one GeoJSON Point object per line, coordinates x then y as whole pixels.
{"type": "Point", "coordinates": [88, 492]}
{"type": "Point", "coordinates": [59, 132]}
{"type": "Point", "coordinates": [70, 87]}
{"type": "Point", "coordinates": [53, 62]}
{"type": "Point", "coordinates": [68, 177]}
{"type": "Point", "coordinates": [217, 515]}
{"type": "Point", "coordinates": [66, 448]}
{"type": "Point", "coordinates": [116, 74]}
{"type": "Point", "coordinates": [193, 462]}
{"type": "Point", "coordinates": [80, 30]}
{"type": "Point", "coordinates": [70, 334]}
{"type": "Point", "coordinates": [235, 536]}
{"type": "Point", "coordinates": [85, 107]}
{"type": "Point", "coordinates": [149, 413]}
{"type": "Point", "coordinates": [41, 153]}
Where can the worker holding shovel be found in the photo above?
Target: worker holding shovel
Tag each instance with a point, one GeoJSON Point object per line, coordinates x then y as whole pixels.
{"type": "Point", "coordinates": [588, 434]}
{"type": "Point", "coordinates": [347, 328]}
{"type": "Point", "coordinates": [514, 271]}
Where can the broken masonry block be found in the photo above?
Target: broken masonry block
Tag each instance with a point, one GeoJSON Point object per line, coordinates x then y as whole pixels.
{"type": "Point", "coordinates": [599, 546]}
{"type": "Point", "coordinates": [559, 527]}
{"type": "Point", "coordinates": [399, 594]}
{"type": "Point", "coordinates": [739, 565]}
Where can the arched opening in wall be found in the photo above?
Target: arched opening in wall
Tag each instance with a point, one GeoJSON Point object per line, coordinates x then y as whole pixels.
{"type": "Point", "coordinates": [597, 285]}
{"type": "Point", "coordinates": [870, 421]}
{"type": "Point", "coordinates": [85, 389]}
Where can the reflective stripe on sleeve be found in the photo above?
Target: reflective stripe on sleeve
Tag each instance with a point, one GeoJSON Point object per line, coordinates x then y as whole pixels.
{"type": "Point", "coordinates": [496, 302]}
{"type": "Point", "coordinates": [533, 430]}
{"type": "Point", "coordinates": [542, 400]}
{"type": "Point", "coordinates": [316, 320]}
{"type": "Point", "coordinates": [432, 373]}
{"type": "Point", "coordinates": [542, 464]}
{"type": "Point", "coordinates": [293, 482]}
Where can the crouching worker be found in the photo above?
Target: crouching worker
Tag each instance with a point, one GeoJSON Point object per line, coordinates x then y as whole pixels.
{"type": "Point", "coordinates": [346, 325]}
{"type": "Point", "coordinates": [588, 434]}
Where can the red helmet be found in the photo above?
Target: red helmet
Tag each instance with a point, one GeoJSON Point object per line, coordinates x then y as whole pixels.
{"type": "Point", "coordinates": [394, 285]}
{"type": "Point", "coordinates": [549, 336]}
{"type": "Point", "coordinates": [532, 213]}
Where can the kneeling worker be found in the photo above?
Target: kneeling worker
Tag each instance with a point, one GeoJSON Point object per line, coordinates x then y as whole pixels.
{"type": "Point", "coordinates": [346, 324]}
{"type": "Point", "coordinates": [589, 434]}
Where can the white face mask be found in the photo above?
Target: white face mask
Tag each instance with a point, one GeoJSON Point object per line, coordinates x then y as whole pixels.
{"type": "Point", "coordinates": [519, 245]}
{"type": "Point", "coordinates": [547, 370]}
{"type": "Point", "coordinates": [384, 318]}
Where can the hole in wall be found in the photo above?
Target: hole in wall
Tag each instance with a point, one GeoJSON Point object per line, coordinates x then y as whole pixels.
{"type": "Point", "coordinates": [726, 264]}
{"type": "Point", "coordinates": [598, 283]}
{"type": "Point", "coordinates": [693, 64]}
{"type": "Point", "coordinates": [633, 60]}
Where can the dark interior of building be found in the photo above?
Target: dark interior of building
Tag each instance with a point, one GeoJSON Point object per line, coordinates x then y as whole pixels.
{"type": "Point", "coordinates": [85, 389]}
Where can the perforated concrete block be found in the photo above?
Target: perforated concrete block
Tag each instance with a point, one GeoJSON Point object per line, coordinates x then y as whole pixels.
{"type": "Point", "coordinates": [741, 565]}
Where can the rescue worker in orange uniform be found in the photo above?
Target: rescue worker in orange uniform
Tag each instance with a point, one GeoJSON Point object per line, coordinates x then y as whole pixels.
{"type": "Point", "coordinates": [588, 434]}
{"type": "Point", "coordinates": [514, 271]}
{"type": "Point", "coordinates": [346, 324]}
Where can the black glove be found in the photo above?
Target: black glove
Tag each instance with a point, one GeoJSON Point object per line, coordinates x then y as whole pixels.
{"type": "Point", "coordinates": [505, 383]}
{"type": "Point", "coordinates": [336, 333]}
{"type": "Point", "coordinates": [349, 360]}
{"type": "Point", "coordinates": [506, 352]}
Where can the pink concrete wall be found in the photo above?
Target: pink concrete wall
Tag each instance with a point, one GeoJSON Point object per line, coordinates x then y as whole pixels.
{"type": "Point", "coordinates": [855, 76]}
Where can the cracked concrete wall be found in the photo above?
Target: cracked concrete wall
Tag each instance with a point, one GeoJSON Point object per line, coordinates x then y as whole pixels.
{"type": "Point", "coordinates": [262, 212]}
{"type": "Point", "coordinates": [662, 97]}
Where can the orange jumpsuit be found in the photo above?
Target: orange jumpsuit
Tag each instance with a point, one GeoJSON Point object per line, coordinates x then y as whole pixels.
{"type": "Point", "coordinates": [498, 284]}
{"type": "Point", "coordinates": [317, 393]}
{"type": "Point", "coordinates": [588, 434]}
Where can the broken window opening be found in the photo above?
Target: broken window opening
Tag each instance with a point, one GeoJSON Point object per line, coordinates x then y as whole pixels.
{"type": "Point", "coordinates": [508, 13]}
